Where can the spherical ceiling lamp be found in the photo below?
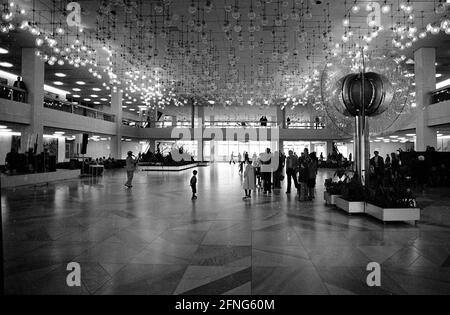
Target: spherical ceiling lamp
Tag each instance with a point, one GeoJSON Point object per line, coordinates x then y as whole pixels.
{"type": "Point", "coordinates": [387, 91]}
{"type": "Point", "coordinates": [370, 93]}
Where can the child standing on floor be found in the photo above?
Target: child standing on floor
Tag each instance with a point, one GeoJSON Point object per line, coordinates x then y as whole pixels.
{"type": "Point", "coordinates": [193, 184]}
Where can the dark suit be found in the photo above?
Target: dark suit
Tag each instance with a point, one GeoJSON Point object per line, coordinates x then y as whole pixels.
{"type": "Point", "coordinates": [378, 165]}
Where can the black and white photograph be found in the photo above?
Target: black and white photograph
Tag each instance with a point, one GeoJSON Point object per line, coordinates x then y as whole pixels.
{"type": "Point", "coordinates": [225, 154]}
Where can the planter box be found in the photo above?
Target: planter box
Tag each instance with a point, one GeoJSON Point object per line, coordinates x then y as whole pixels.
{"type": "Point", "coordinates": [330, 199]}
{"type": "Point", "coordinates": [351, 206]}
{"type": "Point", "coordinates": [38, 178]}
{"type": "Point", "coordinates": [393, 215]}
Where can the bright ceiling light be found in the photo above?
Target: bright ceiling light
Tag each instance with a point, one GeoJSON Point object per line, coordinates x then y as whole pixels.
{"type": "Point", "coordinates": [5, 64]}
{"type": "Point", "coordinates": [104, 99]}
{"type": "Point", "coordinates": [80, 83]}
{"type": "Point", "coordinates": [87, 99]}
{"type": "Point", "coordinates": [443, 84]}
{"type": "Point", "coordinates": [60, 75]}
{"type": "Point", "coordinates": [76, 90]}
{"type": "Point", "coordinates": [94, 96]}
{"type": "Point", "coordinates": [3, 51]}
{"type": "Point", "coordinates": [438, 75]}
{"type": "Point", "coordinates": [59, 83]}
{"type": "Point", "coordinates": [3, 127]}
{"type": "Point", "coordinates": [54, 90]}
{"type": "Point", "coordinates": [76, 96]}
{"type": "Point", "coordinates": [96, 89]}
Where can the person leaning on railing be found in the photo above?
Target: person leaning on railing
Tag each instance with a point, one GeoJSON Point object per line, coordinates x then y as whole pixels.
{"type": "Point", "coordinates": [19, 96]}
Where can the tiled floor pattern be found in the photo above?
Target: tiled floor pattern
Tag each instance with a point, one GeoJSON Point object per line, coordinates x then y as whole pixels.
{"type": "Point", "coordinates": [154, 240]}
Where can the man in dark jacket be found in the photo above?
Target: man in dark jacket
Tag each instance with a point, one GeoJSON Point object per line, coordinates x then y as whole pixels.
{"type": "Point", "coordinates": [291, 171]}
{"type": "Point", "coordinates": [377, 163]}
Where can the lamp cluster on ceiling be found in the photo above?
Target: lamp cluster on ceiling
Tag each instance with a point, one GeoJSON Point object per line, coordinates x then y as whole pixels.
{"type": "Point", "coordinates": [167, 52]}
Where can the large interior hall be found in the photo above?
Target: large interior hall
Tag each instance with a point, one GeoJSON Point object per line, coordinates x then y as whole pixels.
{"type": "Point", "coordinates": [225, 147]}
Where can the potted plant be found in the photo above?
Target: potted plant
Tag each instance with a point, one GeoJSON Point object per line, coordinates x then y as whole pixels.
{"type": "Point", "coordinates": [389, 204]}
{"type": "Point", "coordinates": [353, 196]}
{"type": "Point", "coordinates": [333, 190]}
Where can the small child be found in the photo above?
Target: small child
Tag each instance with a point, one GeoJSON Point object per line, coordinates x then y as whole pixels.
{"type": "Point", "coordinates": [194, 185]}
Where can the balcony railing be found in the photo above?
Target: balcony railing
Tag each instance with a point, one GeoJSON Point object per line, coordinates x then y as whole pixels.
{"type": "Point", "coordinates": [441, 95]}
{"type": "Point", "coordinates": [77, 109]}
{"type": "Point", "coordinates": [307, 125]}
{"type": "Point", "coordinates": [13, 94]}
{"type": "Point", "coordinates": [304, 125]}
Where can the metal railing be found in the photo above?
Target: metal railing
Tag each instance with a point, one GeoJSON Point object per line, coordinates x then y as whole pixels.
{"type": "Point", "coordinates": [441, 95]}
{"type": "Point", "coordinates": [77, 109]}
{"type": "Point", "coordinates": [305, 125]}
{"type": "Point", "coordinates": [13, 94]}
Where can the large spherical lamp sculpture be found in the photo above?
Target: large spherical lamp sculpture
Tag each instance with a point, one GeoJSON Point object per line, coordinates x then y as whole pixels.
{"type": "Point", "coordinates": [364, 95]}
{"type": "Point", "coordinates": [359, 91]}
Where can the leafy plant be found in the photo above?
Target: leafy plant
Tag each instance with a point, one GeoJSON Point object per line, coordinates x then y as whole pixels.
{"type": "Point", "coordinates": [353, 190]}
{"type": "Point", "coordinates": [333, 188]}
{"type": "Point", "coordinates": [396, 197]}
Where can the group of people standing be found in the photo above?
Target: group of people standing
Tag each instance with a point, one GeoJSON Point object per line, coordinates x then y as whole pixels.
{"type": "Point", "coordinates": [303, 172]}
{"type": "Point", "coordinates": [257, 173]}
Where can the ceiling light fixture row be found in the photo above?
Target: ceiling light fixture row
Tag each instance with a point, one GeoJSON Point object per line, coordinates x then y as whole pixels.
{"type": "Point", "coordinates": [271, 52]}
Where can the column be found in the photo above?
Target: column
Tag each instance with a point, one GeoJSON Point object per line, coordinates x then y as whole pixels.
{"type": "Point", "coordinates": [174, 121]}
{"type": "Point", "coordinates": [329, 148]}
{"type": "Point", "coordinates": [33, 77]}
{"type": "Point", "coordinates": [192, 113]}
{"type": "Point", "coordinates": [199, 133]}
{"type": "Point", "coordinates": [281, 146]}
{"type": "Point", "coordinates": [281, 117]}
{"type": "Point", "coordinates": [152, 146]}
{"type": "Point", "coordinates": [116, 109]}
{"type": "Point", "coordinates": [425, 70]}
{"type": "Point", "coordinates": [141, 117]}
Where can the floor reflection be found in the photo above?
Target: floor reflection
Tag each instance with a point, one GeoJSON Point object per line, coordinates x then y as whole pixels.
{"type": "Point", "coordinates": [153, 239]}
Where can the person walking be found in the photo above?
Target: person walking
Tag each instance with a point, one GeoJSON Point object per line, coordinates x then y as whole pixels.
{"type": "Point", "coordinates": [266, 172]}
{"type": "Point", "coordinates": [303, 175]}
{"type": "Point", "coordinates": [232, 158]}
{"type": "Point", "coordinates": [312, 175]}
{"type": "Point", "coordinates": [240, 163]}
{"type": "Point", "coordinates": [291, 171]}
{"type": "Point", "coordinates": [249, 179]}
{"type": "Point", "coordinates": [131, 162]}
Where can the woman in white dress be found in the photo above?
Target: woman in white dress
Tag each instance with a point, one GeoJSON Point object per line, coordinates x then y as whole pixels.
{"type": "Point", "coordinates": [249, 179]}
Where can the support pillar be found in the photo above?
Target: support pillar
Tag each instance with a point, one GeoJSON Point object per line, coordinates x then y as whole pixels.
{"type": "Point", "coordinates": [116, 109]}
{"type": "Point", "coordinates": [192, 114]}
{"type": "Point", "coordinates": [33, 77]}
{"type": "Point", "coordinates": [362, 148]}
{"type": "Point", "coordinates": [199, 133]}
{"type": "Point", "coordinates": [425, 71]}
{"type": "Point", "coordinates": [330, 145]}
{"type": "Point", "coordinates": [281, 117]}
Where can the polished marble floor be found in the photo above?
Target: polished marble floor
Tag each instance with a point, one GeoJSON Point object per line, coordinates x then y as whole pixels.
{"type": "Point", "coordinates": [153, 239]}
